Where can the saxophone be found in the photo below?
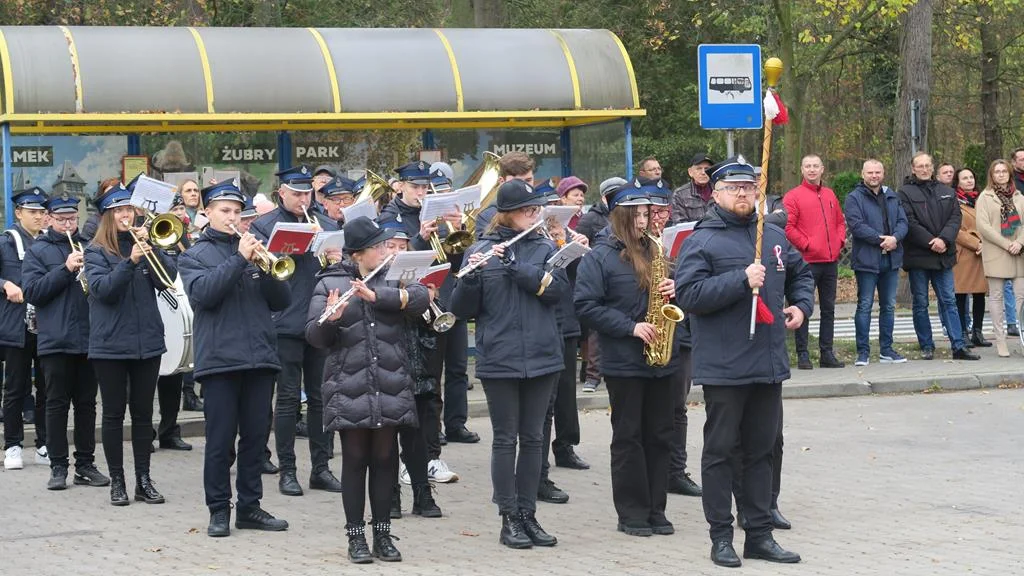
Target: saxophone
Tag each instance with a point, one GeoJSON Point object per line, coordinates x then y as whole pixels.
{"type": "Point", "coordinates": [660, 313]}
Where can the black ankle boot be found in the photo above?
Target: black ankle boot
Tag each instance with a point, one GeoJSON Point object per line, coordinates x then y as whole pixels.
{"type": "Point", "coordinates": [145, 491]}
{"type": "Point", "coordinates": [513, 533]}
{"type": "Point", "coordinates": [978, 339]}
{"type": "Point", "coordinates": [967, 340]}
{"type": "Point", "coordinates": [358, 549]}
{"type": "Point", "coordinates": [118, 492]}
{"type": "Point", "coordinates": [423, 503]}
{"type": "Point", "coordinates": [383, 547]}
{"type": "Point", "coordinates": [396, 502]}
{"type": "Point", "coordinates": [535, 532]}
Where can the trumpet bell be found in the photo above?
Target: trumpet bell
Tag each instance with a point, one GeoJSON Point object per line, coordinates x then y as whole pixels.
{"type": "Point", "coordinates": [457, 242]}
{"type": "Point", "coordinates": [166, 230]}
{"type": "Point", "coordinates": [282, 268]}
{"type": "Point", "coordinates": [443, 322]}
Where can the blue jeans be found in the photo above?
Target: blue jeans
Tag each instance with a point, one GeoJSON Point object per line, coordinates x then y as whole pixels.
{"type": "Point", "coordinates": [1008, 302]}
{"type": "Point", "coordinates": [942, 283]}
{"type": "Point", "coordinates": [885, 282]}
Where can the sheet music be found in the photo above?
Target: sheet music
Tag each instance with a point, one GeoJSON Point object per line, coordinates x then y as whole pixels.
{"type": "Point", "coordinates": [671, 239]}
{"type": "Point", "coordinates": [366, 208]}
{"type": "Point", "coordinates": [567, 255]}
{"type": "Point", "coordinates": [410, 266]}
{"type": "Point", "coordinates": [435, 205]}
{"type": "Point", "coordinates": [560, 213]}
{"type": "Point", "coordinates": [210, 174]}
{"type": "Point", "coordinates": [178, 178]}
{"type": "Point", "coordinates": [325, 241]}
{"type": "Point", "coordinates": [153, 195]}
{"type": "Point", "coordinates": [469, 197]}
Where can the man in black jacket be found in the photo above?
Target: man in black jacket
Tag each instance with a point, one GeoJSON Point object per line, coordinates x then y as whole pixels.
{"type": "Point", "coordinates": [933, 217]}
{"type": "Point", "coordinates": [742, 377]}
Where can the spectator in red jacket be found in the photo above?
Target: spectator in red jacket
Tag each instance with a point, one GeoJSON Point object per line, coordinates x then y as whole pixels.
{"type": "Point", "coordinates": [817, 229]}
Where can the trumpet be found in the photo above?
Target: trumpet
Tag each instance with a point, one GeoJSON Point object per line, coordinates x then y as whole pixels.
{"type": "Point", "coordinates": [350, 293]}
{"type": "Point", "coordinates": [77, 247]}
{"type": "Point", "coordinates": [455, 242]}
{"type": "Point", "coordinates": [160, 236]}
{"type": "Point", "coordinates": [442, 321]}
{"type": "Point", "coordinates": [315, 222]}
{"type": "Point", "coordinates": [279, 268]}
{"type": "Point", "coordinates": [487, 255]}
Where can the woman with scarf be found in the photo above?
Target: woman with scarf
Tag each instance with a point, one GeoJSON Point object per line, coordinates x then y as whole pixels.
{"type": "Point", "coordinates": [969, 273]}
{"type": "Point", "coordinates": [998, 209]}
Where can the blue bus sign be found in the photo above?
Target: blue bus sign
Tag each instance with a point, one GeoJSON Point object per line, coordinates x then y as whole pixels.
{"type": "Point", "coordinates": [729, 76]}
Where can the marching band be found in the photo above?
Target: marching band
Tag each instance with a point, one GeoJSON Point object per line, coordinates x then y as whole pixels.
{"type": "Point", "coordinates": [146, 302]}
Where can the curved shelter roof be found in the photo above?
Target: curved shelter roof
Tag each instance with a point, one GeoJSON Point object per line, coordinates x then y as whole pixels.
{"type": "Point", "coordinates": [141, 79]}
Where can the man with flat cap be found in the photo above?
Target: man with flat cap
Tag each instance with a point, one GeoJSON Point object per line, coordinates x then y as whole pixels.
{"type": "Point", "coordinates": [742, 376]}
{"type": "Point", "coordinates": [300, 362]}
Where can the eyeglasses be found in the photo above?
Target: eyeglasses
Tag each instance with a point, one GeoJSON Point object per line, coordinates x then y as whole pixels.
{"type": "Point", "coordinates": [64, 219]}
{"type": "Point", "coordinates": [734, 190]}
{"type": "Point", "coordinates": [530, 210]}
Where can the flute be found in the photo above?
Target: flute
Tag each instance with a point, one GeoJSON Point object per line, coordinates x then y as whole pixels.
{"type": "Point", "coordinates": [487, 255]}
{"type": "Point", "coordinates": [350, 293]}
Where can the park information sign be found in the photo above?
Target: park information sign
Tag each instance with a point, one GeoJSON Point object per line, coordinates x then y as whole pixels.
{"type": "Point", "coordinates": [730, 86]}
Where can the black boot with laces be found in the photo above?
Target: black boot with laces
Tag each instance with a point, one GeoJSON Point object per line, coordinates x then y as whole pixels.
{"type": "Point", "coordinates": [145, 491]}
{"type": "Point", "coordinates": [513, 533]}
{"type": "Point", "coordinates": [423, 503]}
{"type": "Point", "coordinates": [383, 547]}
{"type": "Point", "coordinates": [358, 550]}
{"type": "Point", "coordinates": [535, 532]}
{"type": "Point", "coordinates": [118, 491]}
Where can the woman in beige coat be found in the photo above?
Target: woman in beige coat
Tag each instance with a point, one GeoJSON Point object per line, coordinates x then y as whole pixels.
{"type": "Point", "coordinates": [999, 210]}
{"type": "Point", "coordinates": [969, 273]}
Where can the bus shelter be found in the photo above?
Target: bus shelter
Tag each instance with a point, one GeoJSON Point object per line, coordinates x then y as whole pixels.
{"type": "Point", "coordinates": [138, 81]}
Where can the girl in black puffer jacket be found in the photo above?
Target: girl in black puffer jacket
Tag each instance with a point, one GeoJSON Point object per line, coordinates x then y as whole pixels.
{"type": "Point", "coordinates": [367, 389]}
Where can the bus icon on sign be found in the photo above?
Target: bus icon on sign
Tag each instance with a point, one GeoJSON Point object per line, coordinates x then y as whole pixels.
{"type": "Point", "coordinates": [727, 84]}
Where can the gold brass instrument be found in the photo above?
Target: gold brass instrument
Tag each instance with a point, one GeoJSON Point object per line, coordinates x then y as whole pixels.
{"type": "Point", "coordinates": [660, 313]}
{"type": "Point", "coordinates": [315, 222]}
{"type": "Point", "coordinates": [162, 234]}
{"type": "Point", "coordinates": [376, 189]}
{"type": "Point", "coordinates": [279, 268]}
{"type": "Point", "coordinates": [77, 247]}
{"type": "Point", "coordinates": [488, 176]}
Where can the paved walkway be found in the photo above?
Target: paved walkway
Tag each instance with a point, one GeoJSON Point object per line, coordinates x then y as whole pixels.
{"type": "Point", "coordinates": [925, 484]}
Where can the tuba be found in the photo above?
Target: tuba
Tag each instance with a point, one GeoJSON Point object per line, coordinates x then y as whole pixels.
{"type": "Point", "coordinates": [375, 189]}
{"type": "Point", "coordinates": [660, 313]}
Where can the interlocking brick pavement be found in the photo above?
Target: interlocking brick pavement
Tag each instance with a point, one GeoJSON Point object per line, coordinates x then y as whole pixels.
{"type": "Point", "coordinates": [923, 484]}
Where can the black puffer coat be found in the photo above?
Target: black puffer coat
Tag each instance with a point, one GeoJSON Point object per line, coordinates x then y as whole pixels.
{"type": "Point", "coordinates": [366, 376]}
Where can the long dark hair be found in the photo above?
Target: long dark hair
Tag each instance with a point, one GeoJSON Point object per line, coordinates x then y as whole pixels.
{"type": "Point", "coordinates": [637, 252]}
{"type": "Point", "coordinates": [106, 234]}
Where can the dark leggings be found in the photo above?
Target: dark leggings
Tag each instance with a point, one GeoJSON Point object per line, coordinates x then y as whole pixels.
{"type": "Point", "coordinates": [363, 448]}
{"type": "Point", "coordinates": [977, 310]}
{"type": "Point", "coordinates": [131, 384]}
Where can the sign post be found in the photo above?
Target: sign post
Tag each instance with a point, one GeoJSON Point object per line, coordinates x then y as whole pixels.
{"type": "Point", "coordinates": [729, 77]}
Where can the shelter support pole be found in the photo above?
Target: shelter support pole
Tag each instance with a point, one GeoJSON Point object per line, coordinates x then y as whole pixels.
{"type": "Point", "coordinates": [134, 145]}
{"type": "Point", "coordinates": [566, 141]}
{"type": "Point", "coordinates": [284, 151]}
{"type": "Point", "coordinates": [629, 148]}
{"type": "Point", "coordinates": [427, 138]}
{"type": "Point", "coordinates": [5, 135]}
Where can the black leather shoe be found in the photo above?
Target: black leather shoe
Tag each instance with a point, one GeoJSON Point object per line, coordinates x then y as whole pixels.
{"type": "Point", "coordinates": [683, 484]}
{"type": "Point", "coordinates": [548, 492]}
{"type": "Point", "coordinates": [324, 480]}
{"type": "Point", "coordinates": [534, 530]}
{"type": "Point", "coordinates": [301, 429]}
{"type": "Point", "coordinates": [118, 491]}
{"type": "Point", "coordinates": [423, 503]}
{"type": "Point", "coordinates": [220, 523]}
{"type": "Point", "coordinates": [778, 520]}
{"type": "Point", "coordinates": [190, 402]}
{"type": "Point", "coordinates": [768, 549]}
{"type": "Point", "coordinates": [288, 484]}
{"type": "Point", "coordinates": [358, 549]}
{"type": "Point", "coordinates": [175, 443]}
{"type": "Point", "coordinates": [1011, 330]}
{"type": "Point", "coordinates": [928, 354]}
{"type": "Point", "coordinates": [462, 435]}
{"type": "Point", "coordinates": [631, 529]}
{"type": "Point", "coordinates": [89, 475]}
{"type": "Point", "coordinates": [269, 468]}
{"type": "Point", "coordinates": [383, 546]}
{"type": "Point", "coordinates": [58, 478]}
{"type": "Point", "coordinates": [257, 518]}
{"type": "Point", "coordinates": [396, 502]}
{"type": "Point", "coordinates": [965, 354]}
{"type": "Point", "coordinates": [660, 525]}
{"type": "Point", "coordinates": [803, 361]}
{"type": "Point", "coordinates": [967, 339]}
{"type": "Point", "coordinates": [723, 554]}
{"type": "Point", "coordinates": [978, 339]}
{"type": "Point", "coordinates": [145, 491]}
{"type": "Point", "coordinates": [829, 360]}
{"type": "Point", "coordinates": [513, 533]}
{"type": "Point", "coordinates": [569, 459]}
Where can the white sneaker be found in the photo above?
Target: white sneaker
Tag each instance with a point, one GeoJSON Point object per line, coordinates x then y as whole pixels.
{"type": "Point", "coordinates": [42, 456]}
{"type": "Point", "coordinates": [12, 458]}
{"type": "Point", "coordinates": [403, 474]}
{"type": "Point", "coordinates": [438, 471]}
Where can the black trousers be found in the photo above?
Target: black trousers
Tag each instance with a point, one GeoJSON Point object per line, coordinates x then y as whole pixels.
{"type": "Point", "coordinates": [681, 383]}
{"type": "Point", "coordinates": [748, 416]}
{"type": "Point", "coordinates": [737, 470]}
{"type": "Point", "coordinates": [365, 450]}
{"type": "Point", "coordinates": [414, 442]}
{"type": "Point", "coordinates": [977, 310]}
{"type": "Point", "coordinates": [70, 380]}
{"type": "Point", "coordinates": [235, 403]}
{"type": "Point", "coordinates": [301, 364]}
{"type": "Point", "coordinates": [826, 278]}
{"type": "Point", "coordinates": [127, 384]}
{"type": "Point", "coordinates": [641, 441]}
{"type": "Point", "coordinates": [430, 413]}
{"type": "Point", "coordinates": [17, 386]}
{"type": "Point", "coordinates": [562, 410]}
{"type": "Point", "coordinates": [168, 389]}
{"type": "Point", "coordinates": [456, 379]}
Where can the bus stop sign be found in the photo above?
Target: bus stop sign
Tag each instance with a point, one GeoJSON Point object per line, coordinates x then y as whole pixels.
{"type": "Point", "coordinates": [730, 86]}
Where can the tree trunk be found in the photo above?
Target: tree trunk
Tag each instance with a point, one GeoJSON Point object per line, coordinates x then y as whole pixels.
{"type": "Point", "coordinates": [914, 84]}
{"type": "Point", "coordinates": [489, 13]}
{"type": "Point", "coordinates": [989, 84]}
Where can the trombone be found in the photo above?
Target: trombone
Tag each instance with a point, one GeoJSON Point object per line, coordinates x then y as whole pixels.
{"type": "Point", "coordinates": [77, 247]}
{"type": "Point", "coordinates": [315, 222]}
{"type": "Point", "coordinates": [164, 231]}
{"type": "Point", "coordinates": [279, 268]}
